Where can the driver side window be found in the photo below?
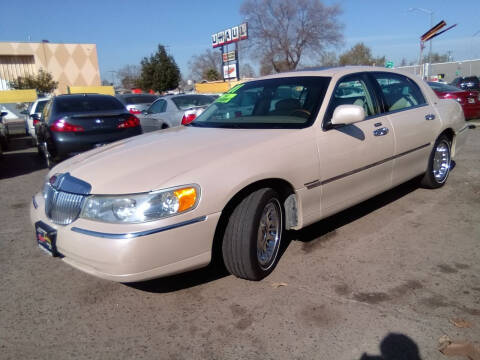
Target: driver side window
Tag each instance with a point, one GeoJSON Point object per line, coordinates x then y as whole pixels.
{"type": "Point", "coordinates": [352, 90]}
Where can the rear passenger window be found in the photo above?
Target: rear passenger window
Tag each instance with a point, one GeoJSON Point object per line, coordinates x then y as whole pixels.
{"type": "Point", "coordinates": [157, 107]}
{"type": "Point", "coordinates": [399, 92]}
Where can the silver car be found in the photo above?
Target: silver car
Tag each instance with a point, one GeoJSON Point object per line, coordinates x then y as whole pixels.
{"type": "Point", "coordinates": [174, 110]}
{"type": "Point", "coordinates": [136, 103]}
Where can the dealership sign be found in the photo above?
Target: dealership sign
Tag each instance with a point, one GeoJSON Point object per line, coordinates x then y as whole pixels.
{"type": "Point", "coordinates": [229, 56]}
{"type": "Point", "coordinates": [229, 36]}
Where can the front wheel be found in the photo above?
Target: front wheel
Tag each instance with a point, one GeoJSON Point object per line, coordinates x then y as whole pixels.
{"type": "Point", "coordinates": [439, 164]}
{"type": "Point", "coordinates": [253, 235]}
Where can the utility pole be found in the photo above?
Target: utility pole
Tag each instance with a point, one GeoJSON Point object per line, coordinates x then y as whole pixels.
{"type": "Point", "coordinates": [430, 12]}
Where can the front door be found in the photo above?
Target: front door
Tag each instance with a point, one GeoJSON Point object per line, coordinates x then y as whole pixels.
{"type": "Point", "coordinates": [355, 160]}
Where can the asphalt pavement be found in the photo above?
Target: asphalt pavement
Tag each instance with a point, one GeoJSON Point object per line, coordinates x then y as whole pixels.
{"type": "Point", "coordinates": [383, 280]}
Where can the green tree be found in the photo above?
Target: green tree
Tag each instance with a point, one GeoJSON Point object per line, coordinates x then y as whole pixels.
{"type": "Point", "coordinates": [211, 75]}
{"type": "Point", "coordinates": [360, 54]}
{"type": "Point", "coordinates": [159, 72]}
{"type": "Point", "coordinates": [43, 82]}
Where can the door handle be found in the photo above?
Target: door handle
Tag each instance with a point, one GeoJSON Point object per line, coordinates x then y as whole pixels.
{"type": "Point", "coordinates": [429, 117]}
{"type": "Point", "coordinates": [380, 132]}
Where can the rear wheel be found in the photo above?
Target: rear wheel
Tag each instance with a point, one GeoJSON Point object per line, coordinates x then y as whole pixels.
{"type": "Point", "coordinates": [253, 235]}
{"type": "Point", "coordinates": [439, 164]}
{"type": "Point", "coordinates": [43, 151]}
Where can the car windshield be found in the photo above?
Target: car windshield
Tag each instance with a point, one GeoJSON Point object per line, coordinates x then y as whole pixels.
{"type": "Point", "coordinates": [289, 102]}
{"type": "Point", "coordinates": [86, 103]}
{"type": "Point", "coordinates": [443, 87]}
{"type": "Point", "coordinates": [188, 101]}
{"type": "Point", "coordinates": [139, 99]}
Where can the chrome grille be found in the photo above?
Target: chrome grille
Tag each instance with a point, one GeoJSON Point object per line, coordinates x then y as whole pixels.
{"type": "Point", "coordinates": [62, 207]}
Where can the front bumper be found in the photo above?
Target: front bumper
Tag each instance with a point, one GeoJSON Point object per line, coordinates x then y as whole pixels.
{"type": "Point", "coordinates": [133, 252]}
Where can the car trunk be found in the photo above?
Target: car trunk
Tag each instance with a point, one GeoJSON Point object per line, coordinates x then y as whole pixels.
{"type": "Point", "coordinates": [98, 122]}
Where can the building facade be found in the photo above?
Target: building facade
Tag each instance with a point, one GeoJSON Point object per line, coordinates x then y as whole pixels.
{"type": "Point", "coordinates": [69, 64]}
{"type": "Point", "coordinates": [446, 71]}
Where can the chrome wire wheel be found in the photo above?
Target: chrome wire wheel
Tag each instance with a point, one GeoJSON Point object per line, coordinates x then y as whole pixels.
{"type": "Point", "coordinates": [269, 234]}
{"type": "Point", "coordinates": [441, 161]}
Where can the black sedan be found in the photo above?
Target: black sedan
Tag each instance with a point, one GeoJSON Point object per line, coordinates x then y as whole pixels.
{"type": "Point", "coordinates": [72, 124]}
{"type": "Point", "coordinates": [467, 83]}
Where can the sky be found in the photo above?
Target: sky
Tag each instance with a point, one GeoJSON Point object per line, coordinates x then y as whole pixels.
{"type": "Point", "coordinates": [125, 31]}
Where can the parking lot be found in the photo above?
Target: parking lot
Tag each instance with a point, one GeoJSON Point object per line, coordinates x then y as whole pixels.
{"type": "Point", "coordinates": [391, 275]}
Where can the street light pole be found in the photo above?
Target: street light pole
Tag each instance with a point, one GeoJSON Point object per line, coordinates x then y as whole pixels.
{"type": "Point", "coordinates": [430, 12]}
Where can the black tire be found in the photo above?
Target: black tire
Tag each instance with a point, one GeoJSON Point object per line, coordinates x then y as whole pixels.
{"type": "Point", "coordinates": [439, 164]}
{"type": "Point", "coordinates": [247, 251]}
{"type": "Point", "coordinates": [46, 155]}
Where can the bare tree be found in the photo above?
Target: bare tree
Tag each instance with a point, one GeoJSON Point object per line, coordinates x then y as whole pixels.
{"type": "Point", "coordinates": [329, 59]}
{"type": "Point", "coordinates": [282, 32]}
{"type": "Point", "coordinates": [129, 75]}
{"type": "Point", "coordinates": [202, 65]}
{"type": "Point", "coordinates": [247, 71]}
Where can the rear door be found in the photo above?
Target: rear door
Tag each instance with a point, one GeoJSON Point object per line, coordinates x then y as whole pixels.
{"type": "Point", "coordinates": [414, 123]}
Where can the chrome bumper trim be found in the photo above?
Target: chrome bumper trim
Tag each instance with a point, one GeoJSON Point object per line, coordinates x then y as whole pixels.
{"type": "Point", "coordinates": [466, 127]}
{"type": "Point", "coordinates": [140, 233]}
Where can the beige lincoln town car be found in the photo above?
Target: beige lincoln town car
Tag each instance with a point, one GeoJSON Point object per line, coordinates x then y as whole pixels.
{"type": "Point", "coordinates": [276, 153]}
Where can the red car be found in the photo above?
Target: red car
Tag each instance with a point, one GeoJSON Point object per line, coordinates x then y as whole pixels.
{"type": "Point", "coordinates": [469, 99]}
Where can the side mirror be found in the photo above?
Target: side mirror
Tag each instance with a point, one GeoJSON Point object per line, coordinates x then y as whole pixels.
{"type": "Point", "coordinates": [348, 114]}
{"type": "Point", "coordinates": [145, 112]}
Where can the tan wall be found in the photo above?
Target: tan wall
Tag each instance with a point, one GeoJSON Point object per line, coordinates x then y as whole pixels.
{"type": "Point", "coordinates": [69, 64]}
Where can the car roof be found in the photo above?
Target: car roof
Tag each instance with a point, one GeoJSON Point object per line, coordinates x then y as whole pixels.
{"type": "Point", "coordinates": [133, 94]}
{"type": "Point", "coordinates": [334, 72]}
{"type": "Point", "coordinates": [80, 96]}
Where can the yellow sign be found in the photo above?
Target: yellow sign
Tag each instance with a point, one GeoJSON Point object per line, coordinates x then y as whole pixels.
{"type": "Point", "coordinates": [17, 96]}
{"type": "Point", "coordinates": [107, 90]}
{"type": "Point", "coordinates": [214, 87]}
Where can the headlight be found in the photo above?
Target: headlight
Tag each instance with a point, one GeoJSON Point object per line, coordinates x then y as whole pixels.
{"type": "Point", "coordinates": [138, 208]}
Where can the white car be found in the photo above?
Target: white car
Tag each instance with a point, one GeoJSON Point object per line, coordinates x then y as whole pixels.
{"type": "Point", "coordinates": [32, 116]}
{"type": "Point", "coordinates": [173, 110]}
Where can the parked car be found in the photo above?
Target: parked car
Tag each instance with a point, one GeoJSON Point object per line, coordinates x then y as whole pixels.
{"type": "Point", "coordinates": [467, 83]}
{"type": "Point", "coordinates": [32, 117]}
{"type": "Point", "coordinates": [136, 103]}
{"type": "Point", "coordinates": [470, 100]}
{"type": "Point", "coordinates": [279, 152]}
{"type": "Point", "coordinates": [174, 110]}
{"type": "Point", "coordinates": [72, 124]}
{"type": "Point", "coordinates": [3, 133]}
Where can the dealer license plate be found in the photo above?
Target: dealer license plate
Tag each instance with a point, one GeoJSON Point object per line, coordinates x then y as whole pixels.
{"type": "Point", "coordinates": [46, 238]}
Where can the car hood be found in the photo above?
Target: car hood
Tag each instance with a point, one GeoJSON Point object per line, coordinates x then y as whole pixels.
{"type": "Point", "coordinates": [148, 162]}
